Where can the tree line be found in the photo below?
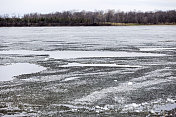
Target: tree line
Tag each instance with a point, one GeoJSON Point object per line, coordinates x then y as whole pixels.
{"type": "Point", "coordinates": [89, 18]}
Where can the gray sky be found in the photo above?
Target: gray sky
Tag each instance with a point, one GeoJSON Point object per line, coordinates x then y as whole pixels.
{"type": "Point", "coordinates": [47, 6]}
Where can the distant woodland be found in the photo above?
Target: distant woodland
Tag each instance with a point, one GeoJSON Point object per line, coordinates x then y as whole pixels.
{"type": "Point", "coordinates": [88, 18]}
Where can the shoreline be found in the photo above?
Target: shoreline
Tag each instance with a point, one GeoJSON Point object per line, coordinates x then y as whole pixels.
{"type": "Point", "coordinates": [93, 25]}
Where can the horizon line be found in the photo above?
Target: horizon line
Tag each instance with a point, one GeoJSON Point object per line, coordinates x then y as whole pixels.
{"type": "Point", "coordinates": [76, 10]}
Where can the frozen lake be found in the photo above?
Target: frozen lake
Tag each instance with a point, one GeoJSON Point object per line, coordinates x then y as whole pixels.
{"type": "Point", "coordinates": [88, 71]}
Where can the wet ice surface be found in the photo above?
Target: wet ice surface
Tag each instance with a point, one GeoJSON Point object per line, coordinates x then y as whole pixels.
{"type": "Point", "coordinates": [8, 72]}
{"type": "Point", "coordinates": [88, 71]}
{"type": "Point", "coordinates": [97, 65]}
{"type": "Point", "coordinates": [80, 54]}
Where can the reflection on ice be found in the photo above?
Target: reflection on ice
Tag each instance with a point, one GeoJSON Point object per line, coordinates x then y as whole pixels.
{"type": "Point", "coordinates": [98, 65]}
{"type": "Point", "coordinates": [7, 72]}
{"type": "Point", "coordinates": [80, 54]}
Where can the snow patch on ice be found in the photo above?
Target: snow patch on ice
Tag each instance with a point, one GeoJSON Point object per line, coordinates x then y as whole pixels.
{"type": "Point", "coordinates": [130, 83]}
{"type": "Point", "coordinates": [71, 78]}
{"type": "Point", "coordinates": [155, 106]}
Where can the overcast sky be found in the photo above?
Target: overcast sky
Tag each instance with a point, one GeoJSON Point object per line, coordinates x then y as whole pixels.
{"type": "Point", "coordinates": [47, 6]}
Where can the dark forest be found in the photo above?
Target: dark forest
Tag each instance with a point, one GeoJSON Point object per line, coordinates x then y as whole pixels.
{"type": "Point", "coordinates": [88, 18]}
